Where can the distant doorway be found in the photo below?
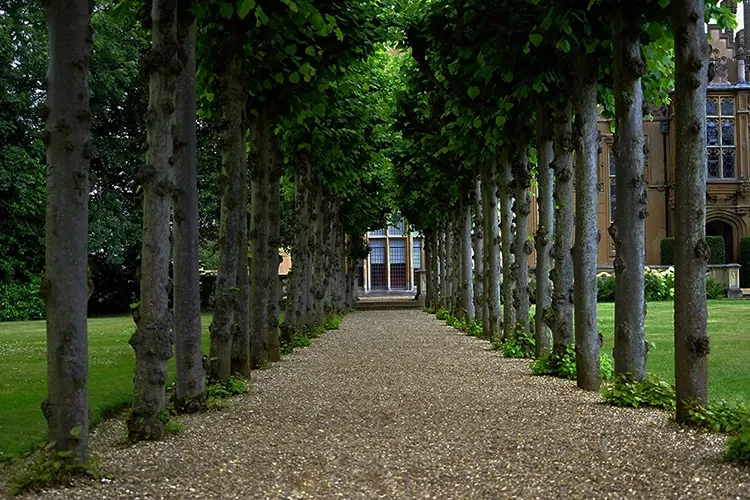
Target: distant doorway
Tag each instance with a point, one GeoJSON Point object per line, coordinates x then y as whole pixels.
{"type": "Point", "coordinates": [721, 228]}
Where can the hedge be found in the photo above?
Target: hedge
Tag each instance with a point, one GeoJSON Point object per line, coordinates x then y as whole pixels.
{"type": "Point", "coordinates": [715, 244]}
{"type": "Point", "coordinates": [667, 251]}
{"type": "Point", "coordinates": [21, 301]}
{"type": "Point", "coordinates": [745, 262]}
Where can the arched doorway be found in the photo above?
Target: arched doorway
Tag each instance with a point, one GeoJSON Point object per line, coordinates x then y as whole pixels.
{"type": "Point", "coordinates": [725, 230]}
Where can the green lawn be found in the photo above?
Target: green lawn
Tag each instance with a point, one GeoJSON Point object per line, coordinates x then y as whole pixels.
{"type": "Point", "coordinates": [729, 330]}
{"type": "Point", "coordinates": [23, 375]}
{"type": "Point", "coordinates": [23, 368]}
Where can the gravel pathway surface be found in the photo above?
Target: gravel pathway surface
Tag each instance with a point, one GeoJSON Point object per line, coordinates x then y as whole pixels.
{"type": "Point", "coordinates": [398, 405]}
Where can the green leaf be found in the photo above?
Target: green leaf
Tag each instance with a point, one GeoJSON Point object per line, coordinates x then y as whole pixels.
{"type": "Point", "coordinates": [290, 49]}
{"type": "Point", "coordinates": [64, 454]}
{"type": "Point", "coordinates": [226, 10]}
{"type": "Point", "coordinates": [319, 109]}
{"type": "Point", "coordinates": [260, 16]}
{"type": "Point", "coordinates": [477, 122]}
{"type": "Point", "coordinates": [500, 121]}
{"type": "Point", "coordinates": [244, 7]}
{"type": "Point", "coordinates": [536, 39]}
{"type": "Point", "coordinates": [294, 77]}
{"type": "Point", "coordinates": [76, 431]}
{"type": "Point", "coordinates": [473, 92]}
{"type": "Point", "coordinates": [310, 50]}
{"type": "Point", "coordinates": [564, 45]}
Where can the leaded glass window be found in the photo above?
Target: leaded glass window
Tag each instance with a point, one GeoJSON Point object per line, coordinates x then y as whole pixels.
{"type": "Point", "coordinates": [720, 138]}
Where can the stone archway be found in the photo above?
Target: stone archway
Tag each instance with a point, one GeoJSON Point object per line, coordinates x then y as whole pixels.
{"type": "Point", "coordinates": [725, 230]}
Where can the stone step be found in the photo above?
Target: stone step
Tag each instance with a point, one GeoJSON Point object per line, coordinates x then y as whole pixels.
{"type": "Point", "coordinates": [386, 305]}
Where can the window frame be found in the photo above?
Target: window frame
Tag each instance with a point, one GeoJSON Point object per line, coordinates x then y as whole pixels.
{"type": "Point", "coordinates": [721, 147]}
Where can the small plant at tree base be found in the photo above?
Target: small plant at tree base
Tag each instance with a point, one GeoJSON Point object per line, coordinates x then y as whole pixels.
{"type": "Point", "coordinates": [315, 331]}
{"type": "Point", "coordinates": [46, 467]}
{"type": "Point", "coordinates": [720, 416]}
{"type": "Point", "coordinates": [333, 323]}
{"type": "Point", "coordinates": [563, 365]}
{"type": "Point", "coordinates": [233, 386]}
{"type": "Point", "coordinates": [174, 427]}
{"type": "Point", "coordinates": [442, 314]}
{"type": "Point", "coordinates": [474, 330]}
{"type": "Point", "coordinates": [738, 447]}
{"type": "Point", "coordinates": [300, 341]}
{"type": "Point", "coordinates": [429, 310]}
{"type": "Point", "coordinates": [522, 346]}
{"type": "Point", "coordinates": [652, 392]}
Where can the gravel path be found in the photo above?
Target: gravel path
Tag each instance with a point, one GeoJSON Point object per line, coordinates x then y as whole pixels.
{"type": "Point", "coordinates": [398, 405]}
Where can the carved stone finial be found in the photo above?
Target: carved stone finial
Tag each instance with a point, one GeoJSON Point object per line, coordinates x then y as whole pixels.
{"type": "Point", "coordinates": [720, 68]}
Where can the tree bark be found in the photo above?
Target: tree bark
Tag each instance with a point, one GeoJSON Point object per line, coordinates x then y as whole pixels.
{"type": "Point", "coordinates": [241, 324]}
{"type": "Point", "coordinates": [233, 163]}
{"type": "Point", "coordinates": [491, 323]}
{"type": "Point", "coordinates": [65, 286]}
{"type": "Point", "coordinates": [317, 285]}
{"type": "Point", "coordinates": [191, 377]}
{"type": "Point", "coordinates": [442, 267]}
{"type": "Point", "coordinates": [562, 272]}
{"type": "Point", "coordinates": [506, 235]}
{"type": "Point", "coordinates": [478, 253]}
{"type": "Point", "coordinates": [545, 228]}
{"type": "Point", "coordinates": [449, 291]}
{"type": "Point", "coordinates": [467, 287]}
{"type": "Point", "coordinates": [629, 228]}
{"type": "Point", "coordinates": [587, 235]}
{"type": "Point", "coordinates": [456, 270]}
{"type": "Point", "coordinates": [152, 340]}
{"type": "Point", "coordinates": [274, 244]}
{"type": "Point", "coordinates": [691, 248]}
{"type": "Point", "coordinates": [262, 164]}
{"type": "Point", "coordinates": [522, 246]}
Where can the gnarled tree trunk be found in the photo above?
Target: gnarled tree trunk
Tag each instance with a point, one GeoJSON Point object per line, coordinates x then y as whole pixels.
{"type": "Point", "coordinates": [152, 340]}
{"type": "Point", "coordinates": [629, 227]}
{"type": "Point", "coordinates": [522, 245]}
{"type": "Point", "coordinates": [241, 324]}
{"type": "Point", "coordinates": [562, 272]}
{"type": "Point", "coordinates": [262, 164]}
{"type": "Point", "coordinates": [467, 287]}
{"type": "Point", "coordinates": [587, 235]}
{"type": "Point", "coordinates": [233, 162]}
{"type": "Point", "coordinates": [274, 244]}
{"type": "Point", "coordinates": [478, 253]}
{"type": "Point", "coordinates": [191, 378]}
{"type": "Point", "coordinates": [65, 286]}
{"type": "Point", "coordinates": [691, 248]}
{"type": "Point", "coordinates": [491, 323]}
{"type": "Point", "coordinates": [505, 198]}
{"type": "Point", "coordinates": [545, 227]}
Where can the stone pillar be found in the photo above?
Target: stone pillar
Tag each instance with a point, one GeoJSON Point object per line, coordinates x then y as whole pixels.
{"type": "Point", "coordinates": [746, 28]}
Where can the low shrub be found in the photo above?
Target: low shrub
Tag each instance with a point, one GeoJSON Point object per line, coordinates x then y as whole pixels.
{"type": "Point", "coordinates": [652, 392]}
{"type": "Point", "coordinates": [521, 346]}
{"type": "Point", "coordinates": [714, 289]}
{"type": "Point", "coordinates": [563, 365]}
{"type": "Point", "coordinates": [605, 287]}
{"type": "Point", "coordinates": [333, 322]}
{"type": "Point", "coordinates": [656, 285]}
{"type": "Point", "coordinates": [442, 314]}
{"type": "Point", "coordinates": [233, 386]}
{"type": "Point", "coordinates": [738, 447]}
{"type": "Point", "coordinates": [21, 301]}
{"type": "Point", "coordinates": [46, 467]}
{"type": "Point", "coordinates": [720, 416]}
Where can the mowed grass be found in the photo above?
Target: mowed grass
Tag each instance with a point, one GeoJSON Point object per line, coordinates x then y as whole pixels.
{"type": "Point", "coordinates": [111, 361]}
{"type": "Point", "coordinates": [729, 332]}
{"type": "Point", "coordinates": [23, 376]}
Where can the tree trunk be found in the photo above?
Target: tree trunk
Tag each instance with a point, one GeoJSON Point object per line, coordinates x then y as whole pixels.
{"type": "Point", "coordinates": [491, 323]}
{"type": "Point", "coordinates": [65, 286]}
{"type": "Point", "coordinates": [691, 248]}
{"type": "Point", "coordinates": [562, 272]}
{"type": "Point", "coordinates": [433, 289]}
{"type": "Point", "coordinates": [506, 234]}
{"type": "Point", "coordinates": [443, 267]}
{"type": "Point", "coordinates": [478, 253]}
{"type": "Point", "coordinates": [274, 244]}
{"type": "Point", "coordinates": [456, 270]}
{"type": "Point", "coordinates": [152, 340]}
{"type": "Point", "coordinates": [467, 287]}
{"type": "Point", "coordinates": [545, 227]}
{"type": "Point", "coordinates": [587, 235]}
{"type": "Point", "coordinates": [317, 288]}
{"type": "Point", "coordinates": [262, 164]}
{"type": "Point", "coordinates": [629, 227]}
{"type": "Point", "coordinates": [191, 378]}
{"type": "Point", "coordinates": [233, 162]}
{"type": "Point", "coordinates": [449, 291]}
{"type": "Point", "coordinates": [522, 246]}
{"type": "Point", "coordinates": [294, 285]}
{"type": "Point", "coordinates": [241, 325]}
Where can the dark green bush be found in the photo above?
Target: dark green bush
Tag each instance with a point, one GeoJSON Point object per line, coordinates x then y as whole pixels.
{"type": "Point", "coordinates": [714, 289]}
{"type": "Point", "coordinates": [667, 251]}
{"type": "Point", "coordinates": [745, 262]}
{"type": "Point", "coordinates": [563, 365]}
{"type": "Point", "coordinates": [718, 252]}
{"type": "Point", "coordinates": [720, 416]}
{"type": "Point", "coordinates": [21, 301]}
{"type": "Point", "coordinates": [738, 447]}
{"type": "Point", "coordinates": [605, 287]}
{"type": "Point", "coordinates": [653, 392]}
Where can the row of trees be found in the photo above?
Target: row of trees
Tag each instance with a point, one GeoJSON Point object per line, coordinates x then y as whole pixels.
{"type": "Point", "coordinates": [295, 96]}
{"type": "Point", "coordinates": [504, 96]}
